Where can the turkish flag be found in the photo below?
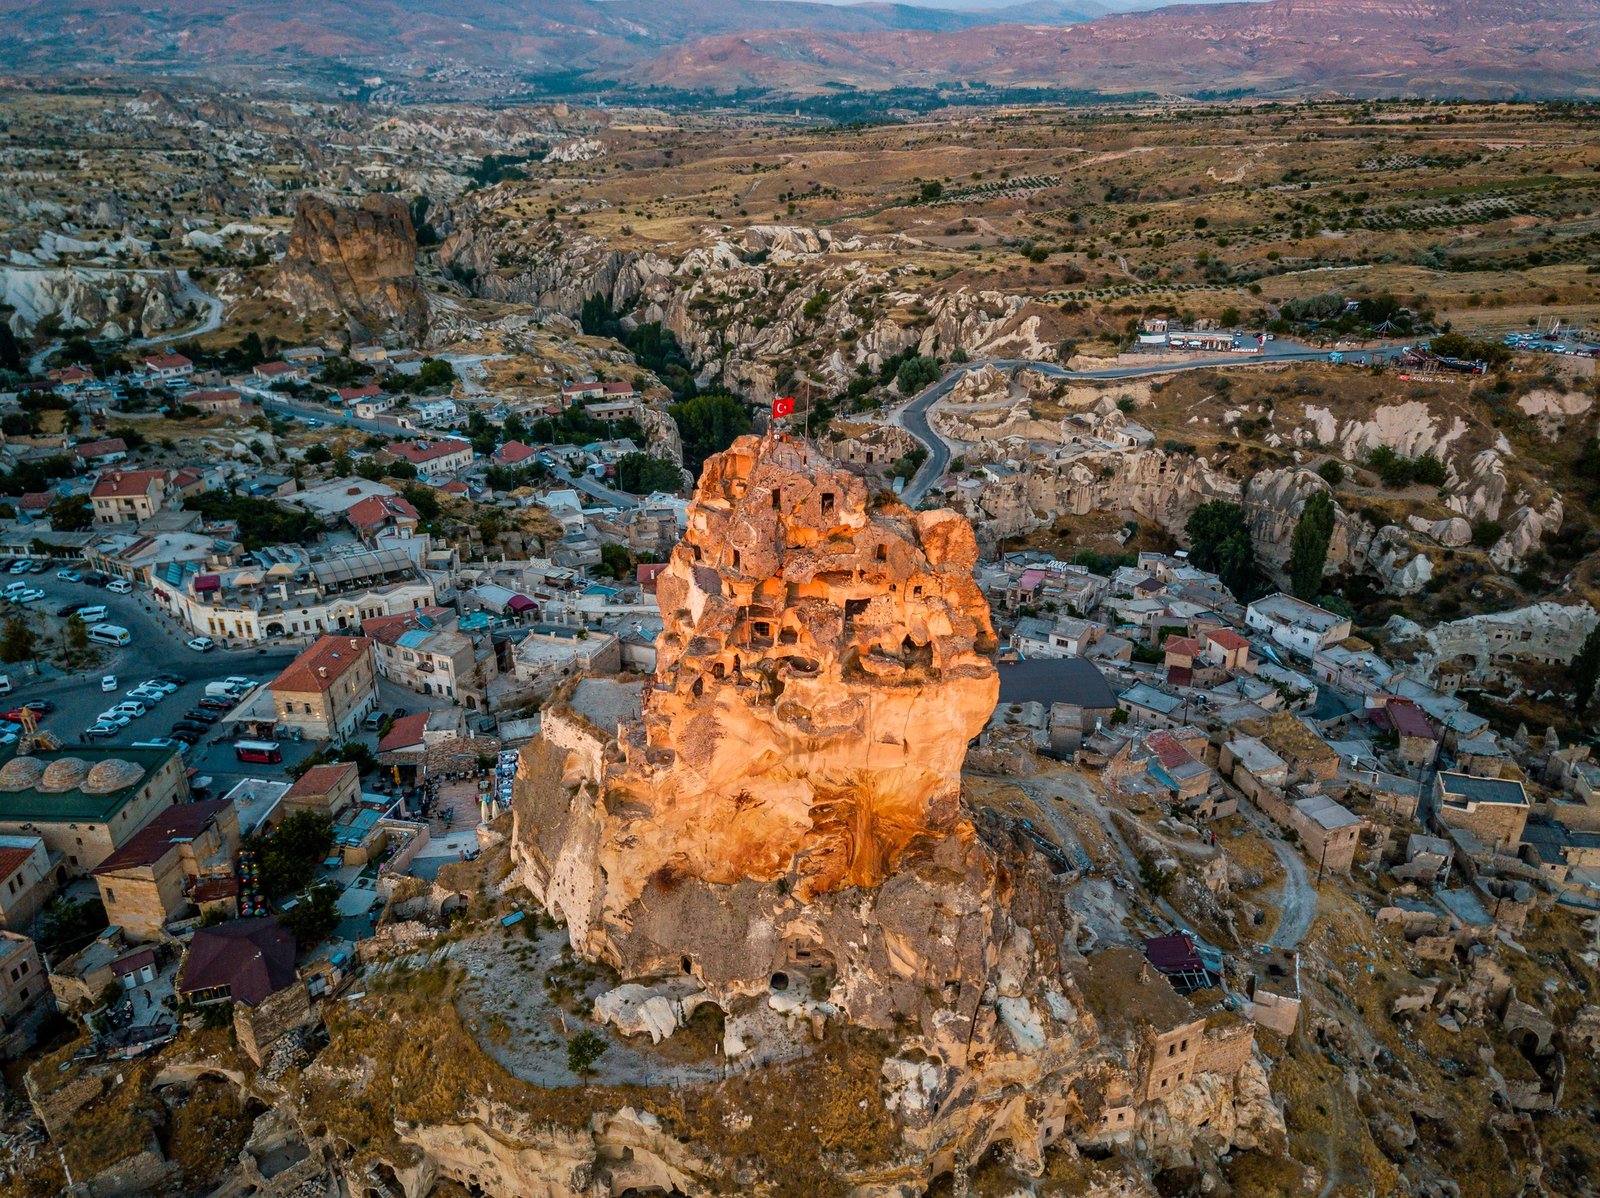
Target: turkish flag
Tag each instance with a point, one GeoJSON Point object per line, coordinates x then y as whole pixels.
{"type": "Point", "coordinates": [782, 406]}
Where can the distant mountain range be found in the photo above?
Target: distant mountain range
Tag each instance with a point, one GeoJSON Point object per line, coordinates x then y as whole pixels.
{"type": "Point", "coordinates": [1489, 48]}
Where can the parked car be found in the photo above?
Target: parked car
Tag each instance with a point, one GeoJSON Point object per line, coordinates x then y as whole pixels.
{"type": "Point", "coordinates": [147, 696]}
{"type": "Point", "coordinates": [95, 578]}
{"type": "Point", "coordinates": [373, 722]}
{"type": "Point", "coordinates": [20, 566]}
{"type": "Point", "coordinates": [40, 706]}
{"type": "Point", "coordinates": [161, 742]}
{"type": "Point", "coordinates": [398, 713]}
{"type": "Point", "coordinates": [202, 644]}
{"type": "Point", "coordinates": [172, 680]}
{"type": "Point", "coordinates": [108, 683]}
{"type": "Point", "coordinates": [157, 684]}
{"type": "Point", "coordinates": [120, 718]}
{"type": "Point", "coordinates": [134, 707]}
{"type": "Point", "coordinates": [120, 586]}
{"type": "Point", "coordinates": [31, 595]}
{"type": "Point", "coordinates": [239, 682]}
{"type": "Point", "coordinates": [69, 576]}
{"type": "Point", "coordinates": [66, 609]}
{"type": "Point", "coordinates": [217, 704]}
{"type": "Point", "coordinates": [97, 730]}
{"type": "Point", "coordinates": [201, 717]}
{"type": "Point", "coordinates": [186, 735]}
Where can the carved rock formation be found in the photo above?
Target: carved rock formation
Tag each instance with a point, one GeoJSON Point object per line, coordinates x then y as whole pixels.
{"type": "Point", "coordinates": [360, 262]}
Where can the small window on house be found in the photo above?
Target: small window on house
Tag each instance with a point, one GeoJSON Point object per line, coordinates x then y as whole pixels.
{"type": "Point", "coordinates": [111, 895]}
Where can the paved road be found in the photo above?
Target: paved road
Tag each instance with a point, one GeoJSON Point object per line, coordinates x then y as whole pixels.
{"type": "Point", "coordinates": [594, 489]}
{"type": "Point", "coordinates": [913, 417]}
{"type": "Point", "coordinates": [210, 323]}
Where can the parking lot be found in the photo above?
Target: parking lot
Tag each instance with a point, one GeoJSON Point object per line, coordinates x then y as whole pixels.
{"type": "Point", "coordinates": [156, 646]}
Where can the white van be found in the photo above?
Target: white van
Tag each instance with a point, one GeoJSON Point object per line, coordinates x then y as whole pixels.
{"type": "Point", "coordinates": [120, 586]}
{"type": "Point", "coordinates": [5, 684]}
{"type": "Point", "coordinates": [90, 615]}
{"type": "Point", "coordinates": [109, 634]}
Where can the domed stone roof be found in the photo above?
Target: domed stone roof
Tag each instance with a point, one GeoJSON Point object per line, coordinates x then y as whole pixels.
{"type": "Point", "coordinates": [20, 773]}
{"type": "Point", "coordinates": [112, 774]}
{"type": "Point", "coordinates": [64, 773]}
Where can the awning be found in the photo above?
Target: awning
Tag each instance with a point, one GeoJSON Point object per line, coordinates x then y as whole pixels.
{"type": "Point", "coordinates": [206, 582]}
{"type": "Point", "coordinates": [520, 604]}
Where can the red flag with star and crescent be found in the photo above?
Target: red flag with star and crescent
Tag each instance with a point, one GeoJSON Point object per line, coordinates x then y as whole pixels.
{"type": "Point", "coordinates": [783, 406]}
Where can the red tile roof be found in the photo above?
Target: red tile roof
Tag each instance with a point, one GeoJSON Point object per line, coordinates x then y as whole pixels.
{"type": "Point", "coordinates": [36, 501]}
{"type": "Point", "coordinates": [12, 858]}
{"type": "Point", "coordinates": [99, 449]}
{"type": "Point", "coordinates": [174, 825]}
{"type": "Point", "coordinates": [514, 452]}
{"type": "Point", "coordinates": [404, 733]}
{"type": "Point", "coordinates": [321, 665]}
{"type": "Point", "coordinates": [125, 484]}
{"type": "Point", "coordinates": [274, 369]}
{"type": "Point", "coordinates": [1167, 749]}
{"type": "Point", "coordinates": [419, 453]}
{"type": "Point", "coordinates": [167, 362]}
{"type": "Point", "coordinates": [1226, 639]}
{"type": "Point", "coordinates": [254, 958]}
{"type": "Point", "coordinates": [209, 890]}
{"type": "Point", "coordinates": [1182, 646]}
{"type": "Point", "coordinates": [376, 510]}
{"type": "Point", "coordinates": [320, 780]}
{"type": "Point", "coordinates": [220, 395]}
{"type": "Point", "coordinates": [388, 630]}
{"type": "Point", "coordinates": [365, 391]}
{"type": "Point", "coordinates": [1408, 720]}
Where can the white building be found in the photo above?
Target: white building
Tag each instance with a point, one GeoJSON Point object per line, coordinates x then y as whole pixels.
{"type": "Point", "coordinates": [1302, 628]}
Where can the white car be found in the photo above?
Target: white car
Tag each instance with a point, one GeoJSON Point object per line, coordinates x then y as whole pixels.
{"type": "Point", "coordinates": [166, 688]}
{"type": "Point", "coordinates": [120, 718]}
{"type": "Point", "coordinates": [108, 683]}
{"type": "Point", "coordinates": [239, 683]}
{"type": "Point", "coordinates": [32, 595]}
{"type": "Point", "coordinates": [148, 697]}
{"type": "Point", "coordinates": [202, 644]}
{"type": "Point", "coordinates": [22, 567]}
{"type": "Point", "coordinates": [120, 586]}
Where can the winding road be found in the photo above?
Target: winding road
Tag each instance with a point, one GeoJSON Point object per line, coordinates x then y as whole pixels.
{"type": "Point", "coordinates": [913, 416]}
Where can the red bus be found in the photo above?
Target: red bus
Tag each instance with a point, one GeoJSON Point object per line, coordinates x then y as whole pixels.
{"type": "Point", "coordinates": [266, 752]}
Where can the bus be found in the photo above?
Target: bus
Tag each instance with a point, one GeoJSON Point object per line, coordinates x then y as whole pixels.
{"type": "Point", "coordinates": [263, 752]}
{"type": "Point", "coordinates": [109, 634]}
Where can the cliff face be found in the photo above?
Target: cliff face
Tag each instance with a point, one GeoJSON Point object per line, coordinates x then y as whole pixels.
{"type": "Point", "coordinates": [359, 262]}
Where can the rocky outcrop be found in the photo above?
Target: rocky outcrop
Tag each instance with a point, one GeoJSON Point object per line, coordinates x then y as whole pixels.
{"type": "Point", "coordinates": [781, 823]}
{"type": "Point", "coordinates": [358, 262]}
{"type": "Point", "coordinates": [1492, 646]}
{"type": "Point", "coordinates": [745, 303]}
{"type": "Point", "coordinates": [109, 304]}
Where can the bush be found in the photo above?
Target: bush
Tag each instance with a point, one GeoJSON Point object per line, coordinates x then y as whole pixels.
{"type": "Point", "coordinates": [1331, 472]}
{"type": "Point", "coordinates": [641, 473]}
{"type": "Point", "coordinates": [1486, 532]}
{"type": "Point", "coordinates": [916, 373]}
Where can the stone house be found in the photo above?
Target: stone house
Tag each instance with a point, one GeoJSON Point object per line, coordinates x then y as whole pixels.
{"type": "Point", "coordinates": [25, 881]}
{"type": "Point", "coordinates": [423, 653]}
{"type": "Point", "coordinates": [251, 964]}
{"type": "Point", "coordinates": [1072, 690]}
{"type": "Point", "coordinates": [329, 689]}
{"type": "Point", "coordinates": [147, 883]}
{"type": "Point", "coordinates": [1302, 628]}
{"type": "Point", "coordinates": [1272, 991]}
{"type": "Point", "coordinates": [326, 789]}
{"type": "Point", "coordinates": [128, 496]}
{"type": "Point", "coordinates": [1495, 810]}
{"type": "Point", "coordinates": [86, 803]}
{"type": "Point", "coordinates": [24, 988]}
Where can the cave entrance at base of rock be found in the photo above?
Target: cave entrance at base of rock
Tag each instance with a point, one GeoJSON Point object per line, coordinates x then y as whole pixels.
{"type": "Point", "coordinates": [780, 981]}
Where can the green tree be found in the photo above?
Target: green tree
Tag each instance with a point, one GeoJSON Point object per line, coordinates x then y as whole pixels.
{"type": "Point", "coordinates": [343, 466]}
{"type": "Point", "coordinates": [615, 561]}
{"type": "Point", "coordinates": [1308, 551]}
{"type": "Point", "coordinates": [368, 468]}
{"type": "Point", "coordinates": [932, 190]}
{"type": "Point", "coordinates": [583, 1050]}
{"type": "Point", "coordinates": [1219, 541]}
{"type": "Point", "coordinates": [72, 513]}
{"type": "Point", "coordinates": [313, 918]}
{"type": "Point", "coordinates": [17, 640]}
{"type": "Point", "coordinates": [424, 499]}
{"type": "Point", "coordinates": [708, 424]}
{"type": "Point", "coordinates": [289, 855]}
{"type": "Point", "coordinates": [77, 638]}
{"type": "Point", "coordinates": [641, 473]}
{"type": "Point", "coordinates": [916, 373]}
{"type": "Point", "coordinates": [1585, 671]}
{"type": "Point", "coordinates": [318, 454]}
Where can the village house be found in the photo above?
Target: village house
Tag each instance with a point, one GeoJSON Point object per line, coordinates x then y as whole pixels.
{"type": "Point", "coordinates": [1071, 690]}
{"type": "Point", "coordinates": [147, 883]}
{"type": "Point", "coordinates": [87, 803]}
{"type": "Point", "coordinates": [25, 881]}
{"type": "Point", "coordinates": [248, 963]}
{"type": "Point", "coordinates": [383, 513]}
{"type": "Point", "coordinates": [1495, 810]}
{"type": "Point", "coordinates": [373, 406]}
{"type": "Point", "coordinates": [422, 652]}
{"type": "Point", "coordinates": [128, 497]}
{"type": "Point", "coordinates": [325, 789]}
{"type": "Point", "coordinates": [1151, 708]}
{"type": "Point", "coordinates": [515, 453]}
{"type": "Point", "coordinates": [280, 372]}
{"type": "Point", "coordinates": [433, 458]}
{"type": "Point", "coordinates": [1302, 628]}
{"type": "Point", "coordinates": [106, 452]}
{"type": "Point", "coordinates": [165, 368]}
{"type": "Point", "coordinates": [223, 401]}
{"type": "Point", "coordinates": [329, 689]}
{"type": "Point", "coordinates": [24, 986]}
{"type": "Point", "coordinates": [1417, 740]}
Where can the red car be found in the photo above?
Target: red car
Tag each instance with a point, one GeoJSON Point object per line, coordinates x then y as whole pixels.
{"type": "Point", "coordinates": [37, 706]}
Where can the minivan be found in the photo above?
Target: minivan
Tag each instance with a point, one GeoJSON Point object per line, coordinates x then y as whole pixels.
{"type": "Point", "coordinates": [90, 615]}
{"type": "Point", "coordinates": [119, 586]}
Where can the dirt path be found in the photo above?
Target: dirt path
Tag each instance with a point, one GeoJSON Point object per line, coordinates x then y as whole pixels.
{"type": "Point", "coordinates": [1297, 904]}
